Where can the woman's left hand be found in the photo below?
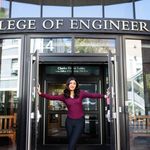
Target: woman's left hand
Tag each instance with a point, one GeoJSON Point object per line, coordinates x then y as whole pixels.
{"type": "Point", "coordinates": [107, 96]}
{"type": "Point", "coordinates": [107, 93]}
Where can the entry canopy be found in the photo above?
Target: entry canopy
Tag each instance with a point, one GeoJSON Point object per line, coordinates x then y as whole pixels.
{"type": "Point", "coordinates": [74, 2]}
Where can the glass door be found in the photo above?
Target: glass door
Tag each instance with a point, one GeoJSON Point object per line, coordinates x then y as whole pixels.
{"type": "Point", "coordinates": [93, 110]}
{"type": "Point", "coordinates": [54, 116]}
{"type": "Point", "coordinates": [113, 116]}
{"type": "Point", "coordinates": [33, 104]}
{"type": "Point", "coordinates": [56, 113]}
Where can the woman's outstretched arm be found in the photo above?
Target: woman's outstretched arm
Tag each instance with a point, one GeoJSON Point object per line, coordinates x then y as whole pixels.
{"type": "Point", "coordinates": [85, 94]}
{"type": "Point", "coordinates": [49, 96]}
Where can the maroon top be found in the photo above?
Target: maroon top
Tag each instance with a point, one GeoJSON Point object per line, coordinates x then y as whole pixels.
{"type": "Point", "coordinates": [74, 105]}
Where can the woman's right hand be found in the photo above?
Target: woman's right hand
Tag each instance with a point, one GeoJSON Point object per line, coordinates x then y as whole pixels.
{"type": "Point", "coordinates": [107, 96]}
{"type": "Point", "coordinates": [39, 90]}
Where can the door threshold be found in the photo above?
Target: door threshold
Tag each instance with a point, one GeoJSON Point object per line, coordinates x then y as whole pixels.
{"type": "Point", "coordinates": [79, 147]}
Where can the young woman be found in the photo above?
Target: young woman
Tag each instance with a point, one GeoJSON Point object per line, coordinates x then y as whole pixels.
{"type": "Point", "coordinates": [72, 97]}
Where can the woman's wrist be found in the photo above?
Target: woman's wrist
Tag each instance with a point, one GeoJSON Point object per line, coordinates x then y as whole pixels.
{"type": "Point", "coordinates": [39, 93]}
{"type": "Point", "coordinates": [105, 96]}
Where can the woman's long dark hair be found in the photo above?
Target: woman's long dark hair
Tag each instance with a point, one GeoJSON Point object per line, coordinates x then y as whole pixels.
{"type": "Point", "coordinates": [67, 91]}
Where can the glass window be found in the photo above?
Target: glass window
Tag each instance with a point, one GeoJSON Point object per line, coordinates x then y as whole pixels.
{"type": "Point", "coordinates": [32, 10]}
{"type": "Point", "coordinates": [56, 89]}
{"type": "Point", "coordinates": [51, 45]}
{"type": "Point", "coordinates": [138, 90]}
{"type": "Point", "coordinates": [86, 8]}
{"type": "Point", "coordinates": [4, 9]}
{"type": "Point", "coordinates": [57, 8]}
{"type": "Point", "coordinates": [89, 45]}
{"type": "Point", "coordinates": [142, 9]}
{"type": "Point", "coordinates": [91, 126]}
{"type": "Point", "coordinates": [14, 66]}
{"type": "Point", "coordinates": [89, 104]}
{"type": "Point", "coordinates": [121, 10]}
{"type": "Point", "coordinates": [9, 90]}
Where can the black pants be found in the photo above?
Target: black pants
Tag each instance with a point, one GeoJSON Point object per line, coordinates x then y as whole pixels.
{"type": "Point", "coordinates": [74, 129]}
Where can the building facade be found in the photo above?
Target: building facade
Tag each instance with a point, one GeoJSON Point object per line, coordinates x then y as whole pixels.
{"type": "Point", "coordinates": [102, 43]}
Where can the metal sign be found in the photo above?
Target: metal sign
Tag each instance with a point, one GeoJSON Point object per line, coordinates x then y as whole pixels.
{"type": "Point", "coordinates": [100, 25]}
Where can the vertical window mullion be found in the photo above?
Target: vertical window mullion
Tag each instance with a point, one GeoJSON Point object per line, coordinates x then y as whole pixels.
{"type": "Point", "coordinates": [41, 14]}
{"type": "Point", "coordinates": [73, 45]}
{"type": "Point", "coordinates": [103, 11]}
{"type": "Point", "coordinates": [72, 8]}
{"type": "Point", "coordinates": [10, 8]}
{"type": "Point", "coordinates": [134, 11]}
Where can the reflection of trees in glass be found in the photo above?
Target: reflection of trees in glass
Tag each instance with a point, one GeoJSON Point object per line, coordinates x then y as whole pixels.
{"type": "Point", "coordinates": [148, 81]}
{"type": "Point", "coordinates": [57, 45]}
{"type": "Point", "coordinates": [3, 12]}
{"type": "Point", "coordinates": [8, 102]}
{"type": "Point", "coordinates": [56, 89]}
{"type": "Point", "coordinates": [83, 45]}
{"type": "Point", "coordinates": [67, 49]}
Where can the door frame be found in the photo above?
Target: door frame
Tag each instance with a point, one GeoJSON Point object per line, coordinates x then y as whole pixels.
{"type": "Point", "coordinates": [74, 59]}
{"type": "Point", "coordinates": [33, 114]}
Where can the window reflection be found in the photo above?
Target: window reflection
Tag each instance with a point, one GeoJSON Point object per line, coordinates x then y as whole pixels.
{"type": "Point", "coordinates": [87, 9]}
{"type": "Point", "coordinates": [135, 77]}
{"type": "Point", "coordinates": [119, 10]}
{"type": "Point", "coordinates": [4, 9]}
{"type": "Point", "coordinates": [56, 89]}
{"type": "Point", "coordinates": [56, 127]}
{"type": "Point", "coordinates": [89, 103]}
{"type": "Point", "coordinates": [18, 10]}
{"type": "Point", "coordinates": [88, 45]}
{"type": "Point", "coordinates": [57, 8]}
{"type": "Point", "coordinates": [9, 90]}
{"type": "Point", "coordinates": [51, 45]}
{"type": "Point", "coordinates": [146, 74]}
{"type": "Point", "coordinates": [55, 122]}
{"type": "Point", "coordinates": [142, 9]}
{"type": "Point", "coordinates": [138, 70]}
{"type": "Point", "coordinates": [91, 125]}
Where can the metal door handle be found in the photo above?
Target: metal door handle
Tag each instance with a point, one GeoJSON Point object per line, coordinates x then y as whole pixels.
{"type": "Point", "coordinates": [38, 115]}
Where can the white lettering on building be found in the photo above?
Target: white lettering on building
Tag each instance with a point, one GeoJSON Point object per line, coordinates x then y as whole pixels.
{"type": "Point", "coordinates": [74, 25]}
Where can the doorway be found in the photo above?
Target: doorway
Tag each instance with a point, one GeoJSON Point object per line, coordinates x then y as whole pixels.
{"type": "Point", "coordinates": [92, 78]}
{"type": "Point", "coordinates": [46, 118]}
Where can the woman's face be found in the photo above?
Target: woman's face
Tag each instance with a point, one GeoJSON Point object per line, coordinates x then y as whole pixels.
{"type": "Point", "coordinates": [72, 85]}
